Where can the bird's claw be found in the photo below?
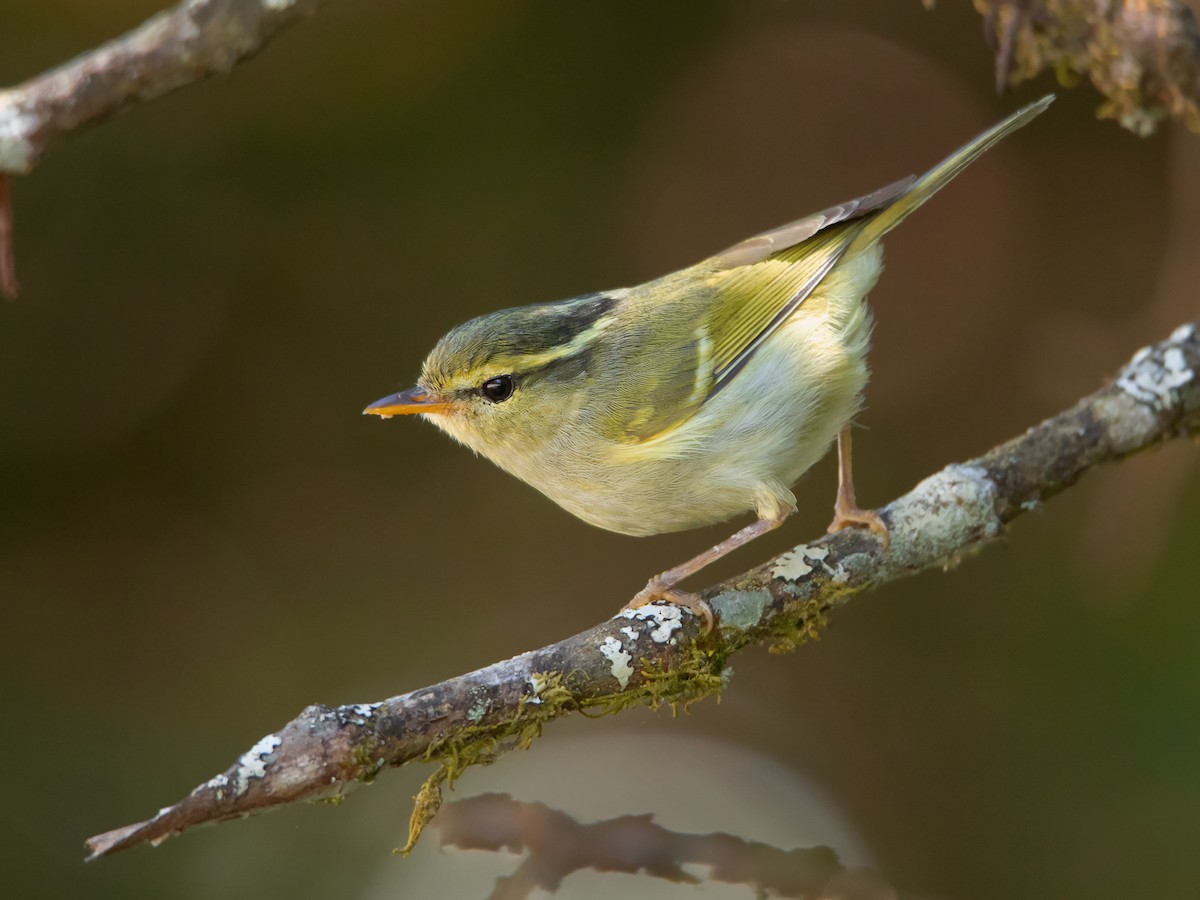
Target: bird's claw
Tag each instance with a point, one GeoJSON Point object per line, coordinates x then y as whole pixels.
{"type": "Point", "coordinates": [853, 517]}
{"type": "Point", "coordinates": [656, 591]}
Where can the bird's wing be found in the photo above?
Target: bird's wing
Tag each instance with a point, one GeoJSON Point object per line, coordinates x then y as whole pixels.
{"type": "Point", "coordinates": [751, 289]}
{"type": "Point", "coordinates": [764, 279]}
{"type": "Point", "coordinates": [757, 248]}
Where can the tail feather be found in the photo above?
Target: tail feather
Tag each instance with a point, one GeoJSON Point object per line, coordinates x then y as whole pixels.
{"type": "Point", "coordinates": [941, 175]}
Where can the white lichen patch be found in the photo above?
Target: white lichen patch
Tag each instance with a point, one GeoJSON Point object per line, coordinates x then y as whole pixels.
{"type": "Point", "coordinates": [253, 763]}
{"type": "Point", "coordinates": [1176, 364]}
{"type": "Point", "coordinates": [665, 619]}
{"type": "Point", "coordinates": [216, 784]}
{"type": "Point", "coordinates": [358, 713]}
{"type": "Point", "coordinates": [630, 632]}
{"type": "Point", "coordinates": [537, 681]}
{"type": "Point", "coordinates": [618, 660]}
{"type": "Point", "coordinates": [947, 510]}
{"type": "Point", "coordinates": [800, 561]}
{"type": "Point", "coordinates": [1155, 379]}
{"type": "Point", "coordinates": [480, 704]}
{"type": "Point", "coordinates": [855, 563]}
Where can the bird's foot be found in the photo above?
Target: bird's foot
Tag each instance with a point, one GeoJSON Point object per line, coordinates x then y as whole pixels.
{"type": "Point", "coordinates": [656, 590]}
{"type": "Point", "coordinates": [846, 511]}
{"type": "Point", "coordinates": [853, 517]}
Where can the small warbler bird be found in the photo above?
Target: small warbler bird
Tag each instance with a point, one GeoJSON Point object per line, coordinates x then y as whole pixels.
{"type": "Point", "coordinates": [692, 398]}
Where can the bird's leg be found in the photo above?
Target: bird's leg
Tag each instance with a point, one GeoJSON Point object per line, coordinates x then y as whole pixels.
{"type": "Point", "coordinates": [662, 587]}
{"type": "Point", "coordinates": [846, 511]}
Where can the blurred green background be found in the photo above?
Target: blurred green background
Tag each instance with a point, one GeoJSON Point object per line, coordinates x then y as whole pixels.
{"type": "Point", "coordinates": [199, 534]}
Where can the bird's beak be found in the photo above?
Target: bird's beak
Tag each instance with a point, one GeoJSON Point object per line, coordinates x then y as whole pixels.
{"type": "Point", "coordinates": [414, 400]}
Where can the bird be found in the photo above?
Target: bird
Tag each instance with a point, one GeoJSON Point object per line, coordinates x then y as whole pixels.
{"type": "Point", "coordinates": [692, 398]}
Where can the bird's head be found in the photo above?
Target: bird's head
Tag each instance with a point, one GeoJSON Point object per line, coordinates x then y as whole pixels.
{"type": "Point", "coordinates": [507, 382]}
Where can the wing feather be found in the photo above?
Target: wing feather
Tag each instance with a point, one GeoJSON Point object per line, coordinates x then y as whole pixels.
{"type": "Point", "coordinates": [739, 297]}
{"type": "Point", "coordinates": [770, 275]}
{"type": "Point", "coordinates": [750, 290]}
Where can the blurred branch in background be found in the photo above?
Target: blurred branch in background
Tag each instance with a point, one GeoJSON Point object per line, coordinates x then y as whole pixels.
{"type": "Point", "coordinates": [179, 46]}
{"type": "Point", "coordinates": [659, 654]}
{"type": "Point", "coordinates": [1143, 55]}
{"type": "Point", "coordinates": [8, 269]}
{"type": "Point", "coordinates": [558, 845]}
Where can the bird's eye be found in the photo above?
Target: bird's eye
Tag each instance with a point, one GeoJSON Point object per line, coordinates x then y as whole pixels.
{"type": "Point", "coordinates": [498, 389]}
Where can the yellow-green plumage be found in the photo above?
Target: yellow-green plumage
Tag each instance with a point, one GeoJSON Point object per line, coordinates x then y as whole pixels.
{"type": "Point", "coordinates": [694, 397]}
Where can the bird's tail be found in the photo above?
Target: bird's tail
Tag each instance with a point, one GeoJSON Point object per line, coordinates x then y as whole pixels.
{"type": "Point", "coordinates": [941, 175]}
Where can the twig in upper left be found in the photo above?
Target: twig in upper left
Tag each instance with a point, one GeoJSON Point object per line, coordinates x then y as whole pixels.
{"type": "Point", "coordinates": [8, 269]}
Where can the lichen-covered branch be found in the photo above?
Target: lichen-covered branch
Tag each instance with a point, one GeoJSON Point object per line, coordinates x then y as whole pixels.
{"type": "Point", "coordinates": [1142, 55]}
{"type": "Point", "coordinates": [658, 654]}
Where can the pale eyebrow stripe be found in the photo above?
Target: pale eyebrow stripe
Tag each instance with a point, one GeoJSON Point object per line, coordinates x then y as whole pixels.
{"type": "Point", "coordinates": [573, 347]}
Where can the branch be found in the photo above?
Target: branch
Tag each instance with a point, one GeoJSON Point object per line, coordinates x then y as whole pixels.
{"type": "Point", "coordinates": [8, 269]}
{"type": "Point", "coordinates": [658, 654]}
{"type": "Point", "coordinates": [1144, 56]}
{"type": "Point", "coordinates": [187, 43]}
{"type": "Point", "coordinates": [558, 845]}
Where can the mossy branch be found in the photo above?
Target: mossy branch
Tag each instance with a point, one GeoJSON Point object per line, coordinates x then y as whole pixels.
{"type": "Point", "coordinates": [1143, 57]}
{"type": "Point", "coordinates": [658, 654]}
